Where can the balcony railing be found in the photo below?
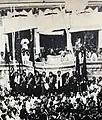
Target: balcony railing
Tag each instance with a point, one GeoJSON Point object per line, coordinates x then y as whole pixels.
{"type": "Point", "coordinates": [25, 63]}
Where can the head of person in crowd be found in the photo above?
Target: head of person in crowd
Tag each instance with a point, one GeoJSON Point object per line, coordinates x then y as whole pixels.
{"type": "Point", "coordinates": [59, 73]}
{"type": "Point", "coordinates": [85, 93]}
{"type": "Point", "coordinates": [73, 73]}
{"type": "Point", "coordinates": [24, 74]}
{"type": "Point", "coordinates": [43, 73]}
{"type": "Point", "coordinates": [16, 73]}
{"type": "Point", "coordinates": [67, 74]}
{"type": "Point", "coordinates": [71, 94]}
{"type": "Point", "coordinates": [36, 73]}
{"type": "Point", "coordinates": [94, 80]}
{"type": "Point", "coordinates": [1, 105]}
{"type": "Point", "coordinates": [100, 79]}
{"type": "Point", "coordinates": [50, 74]}
{"type": "Point", "coordinates": [30, 75]}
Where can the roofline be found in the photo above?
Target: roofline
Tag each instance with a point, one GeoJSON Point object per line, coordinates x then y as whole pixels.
{"type": "Point", "coordinates": [32, 4]}
{"type": "Point", "coordinates": [43, 4]}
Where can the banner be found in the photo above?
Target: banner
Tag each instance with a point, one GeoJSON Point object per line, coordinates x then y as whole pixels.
{"type": "Point", "coordinates": [7, 60]}
{"type": "Point", "coordinates": [100, 39]}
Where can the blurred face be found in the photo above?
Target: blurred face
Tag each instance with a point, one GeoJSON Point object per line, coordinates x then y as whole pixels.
{"type": "Point", "coordinates": [52, 98]}
{"type": "Point", "coordinates": [16, 73]}
{"type": "Point", "coordinates": [23, 107]}
{"type": "Point", "coordinates": [67, 74]}
{"type": "Point", "coordinates": [1, 106]}
{"type": "Point", "coordinates": [100, 78]}
{"type": "Point", "coordinates": [50, 74]}
{"type": "Point", "coordinates": [2, 53]}
{"type": "Point", "coordinates": [7, 102]}
{"type": "Point", "coordinates": [71, 114]}
{"type": "Point", "coordinates": [32, 96]}
{"type": "Point", "coordinates": [73, 72]}
{"type": "Point", "coordinates": [31, 111]}
{"type": "Point", "coordinates": [24, 74]}
{"type": "Point", "coordinates": [41, 109]}
{"type": "Point", "coordinates": [71, 94]}
{"type": "Point", "coordinates": [59, 73]}
{"type": "Point", "coordinates": [94, 78]}
{"type": "Point", "coordinates": [44, 74]}
{"type": "Point", "coordinates": [37, 74]}
{"type": "Point", "coordinates": [29, 74]}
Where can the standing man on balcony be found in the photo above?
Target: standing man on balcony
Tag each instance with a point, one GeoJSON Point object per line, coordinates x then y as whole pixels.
{"type": "Point", "coordinates": [52, 82]}
{"type": "Point", "coordinates": [58, 84]}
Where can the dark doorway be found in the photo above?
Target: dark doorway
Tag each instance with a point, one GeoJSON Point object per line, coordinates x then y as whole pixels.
{"type": "Point", "coordinates": [90, 37]}
{"type": "Point", "coordinates": [52, 41]}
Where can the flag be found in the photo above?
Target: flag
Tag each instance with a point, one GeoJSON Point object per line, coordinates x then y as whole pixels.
{"type": "Point", "coordinates": [18, 56]}
{"type": "Point", "coordinates": [31, 48]}
{"type": "Point", "coordinates": [84, 68]}
{"type": "Point", "coordinates": [7, 59]}
{"type": "Point", "coordinates": [1, 20]}
{"type": "Point", "coordinates": [77, 64]}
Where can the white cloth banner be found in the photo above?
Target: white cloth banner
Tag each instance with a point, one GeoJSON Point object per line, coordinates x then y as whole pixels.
{"type": "Point", "coordinates": [100, 39]}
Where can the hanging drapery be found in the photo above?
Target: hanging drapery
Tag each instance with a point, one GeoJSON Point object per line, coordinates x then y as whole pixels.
{"type": "Point", "coordinates": [84, 67]}
{"type": "Point", "coordinates": [7, 59]}
{"type": "Point", "coordinates": [100, 39]}
{"type": "Point", "coordinates": [18, 56]}
{"type": "Point", "coordinates": [77, 64]}
{"type": "Point", "coordinates": [3, 40]}
{"type": "Point", "coordinates": [31, 50]}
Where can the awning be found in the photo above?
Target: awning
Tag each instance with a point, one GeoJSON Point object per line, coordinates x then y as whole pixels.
{"type": "Point", "coordinates": [86, 22]}
{"type": "Point", "coordinates": [44, 24]}
{"type": "Point", "coordinates": [52, 22]}
{"type": "Point", "coordinates": [18, 24]}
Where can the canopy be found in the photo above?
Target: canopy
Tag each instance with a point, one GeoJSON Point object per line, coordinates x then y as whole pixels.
{"type": "Point", "coordinates": [18, 24]}
{"type": "Point", "coordinates": [48, 23]}
{"type": "Point", "coordinates": [86, 22]}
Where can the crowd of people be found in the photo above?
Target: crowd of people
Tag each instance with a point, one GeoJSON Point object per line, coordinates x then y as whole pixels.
{"type": "Point", "coordinates": [52, 97]}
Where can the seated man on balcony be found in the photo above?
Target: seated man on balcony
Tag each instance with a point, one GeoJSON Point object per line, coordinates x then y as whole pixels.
{"type": "Point", "coordinates": [94, 56]}
{"type": "Point", "coordinates": [38, 58]}
{"type": "Point", "coordinates": [1, 57]}
{"type": "Point", "coordinates": [59, 80]}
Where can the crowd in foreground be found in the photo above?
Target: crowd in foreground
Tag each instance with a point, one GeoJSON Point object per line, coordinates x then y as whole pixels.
{"type": "Point", "coordinates": [41, 97]}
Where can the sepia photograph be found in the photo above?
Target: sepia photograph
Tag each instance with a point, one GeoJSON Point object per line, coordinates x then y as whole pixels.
{"type": "Point", "coordinates": [50, 59]}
